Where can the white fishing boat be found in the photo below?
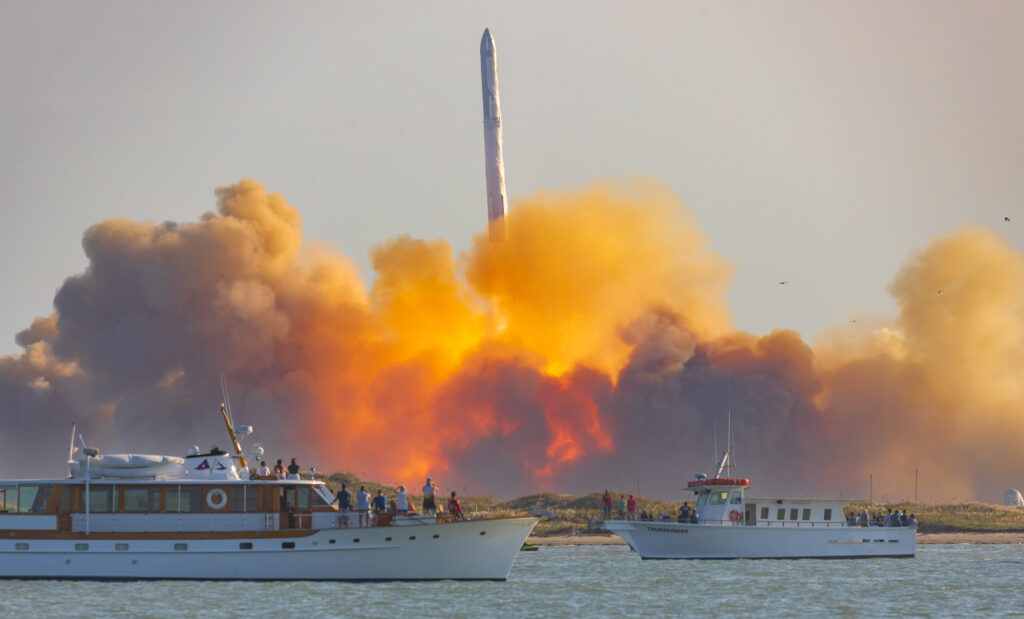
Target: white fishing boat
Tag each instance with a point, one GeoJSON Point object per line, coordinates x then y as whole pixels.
{"type": "Point", "coordinates": [729, 525]}
{"type": "Point", "coordinates": [204, 517]}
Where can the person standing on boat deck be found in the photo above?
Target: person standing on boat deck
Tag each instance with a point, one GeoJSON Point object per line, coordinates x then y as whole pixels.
{"type": "Point", "coordinates": [279, 470]}
{"type": "Point", "coordinates": [429, 492]}
{"type": "Point", "coordinates": [263, 471]}
{"type": "Point", "coordinates": [344, 500]}
{"type": "Point", "coordinates": [631, 507]}
{"type": "Point", "coordinates": [380, 502]}
{"type": "Point", "coordinates": [865, 519]}
{"type": "Point", "coordinates": [363, 506]}
{"type": "Point", "coordinates": [293, 470]}
{"type": "Point", "coordinates": [620, 506]}
{"type": "Point", "coordinates": [606, 500]}
{"type": "Point", "coordinates": [684, 512]}
{"type": "Point", "coordinates": [455, 508]}
{"type": "Point", "coordinates": [402, 500]}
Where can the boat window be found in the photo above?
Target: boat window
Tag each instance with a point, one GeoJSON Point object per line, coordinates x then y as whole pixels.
{"type": "Point", "coordinates": [737, 497]}
{"type": "Point", "coordinates": [319, 500]}
{"type": "Point", "coordinates": [184, 499]}
{"type": "Point", "coordinates": [141, 499]}
{"type": "Point", "coordinates": [807, 513]}
{"type": "Point", "coordinates": [792, 514]}
{"type": "Point", "coordinates": [764, 513]}
{"type": "Point", "coordinates": [237, 494]}
{"type": "Point", "coordinates": [65, 499]}
{"type": "Point", "coordinates": [304, 497]}
{"type": "Point", "coordinates": [289, 497]}
{"type": "Point", "coordinates": [782, 514]}
{"type": "Point", "coordinates": [702, 499]}
{"type": "Point", "coordinates": [101, 499]}
{"type": "Point", "coordinates": [252, 498]}
{"type": "Point", "coordinates": [719, 498]}
{"type": "Point", "coordinates": [32, 498]}
{"type": "Point", "coordinates": [828, 514]}
{"type": "Point", "coordinates": [9, 499]}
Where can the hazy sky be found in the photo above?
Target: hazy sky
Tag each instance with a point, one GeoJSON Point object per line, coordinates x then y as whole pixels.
{"type": "Point", "coordinates": [815, 142]}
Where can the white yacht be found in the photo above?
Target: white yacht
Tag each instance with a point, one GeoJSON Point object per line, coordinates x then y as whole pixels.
{"type": "Point", "coordinates": [730, 525]}
{"type": "Point", "coordinates": [204, 517]}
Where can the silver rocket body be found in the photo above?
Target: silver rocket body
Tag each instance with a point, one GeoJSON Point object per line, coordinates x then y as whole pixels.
{"type": "Point", "coordinates": [497, 204]}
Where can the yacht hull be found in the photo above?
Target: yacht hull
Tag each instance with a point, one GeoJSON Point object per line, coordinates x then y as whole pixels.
{"type": "Point", "coordinates": [470, 550]}
{"type": "Point", "coordinates": [670, 540]}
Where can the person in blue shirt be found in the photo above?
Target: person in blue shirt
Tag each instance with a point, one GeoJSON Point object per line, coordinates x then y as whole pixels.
{"type": "Point", "coordinates": [344, 501]}
{"type": "Point", "coordinates": [380, 502]}
{"type": "Point", "coordinates": [363, 506]}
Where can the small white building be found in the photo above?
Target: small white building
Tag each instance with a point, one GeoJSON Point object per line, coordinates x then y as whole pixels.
{"type": "Point", "coordinates": [1013, 498]}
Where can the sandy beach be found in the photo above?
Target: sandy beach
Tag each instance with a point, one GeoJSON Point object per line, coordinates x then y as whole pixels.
{"type": "Point", "coordinates": [922, 538]}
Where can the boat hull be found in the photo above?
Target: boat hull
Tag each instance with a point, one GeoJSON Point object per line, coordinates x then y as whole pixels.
{"type": "Point", "coordinates": [670, 540]}
{"type": "Point", "coordinates": [470, 550]}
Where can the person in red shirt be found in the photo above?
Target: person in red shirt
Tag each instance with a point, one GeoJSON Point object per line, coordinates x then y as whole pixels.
{"type": "Point", "coordinates": [631, 507]}
{"type": "Point", "coordinates": [454, 508]}
{"type": "Point", "coordinates": [607, 501]}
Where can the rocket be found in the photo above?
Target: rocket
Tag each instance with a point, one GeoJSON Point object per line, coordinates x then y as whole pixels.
{"type": "Point", "coordinates": [497, 204]}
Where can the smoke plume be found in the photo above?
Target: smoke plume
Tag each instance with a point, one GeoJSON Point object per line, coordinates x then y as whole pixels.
{"type": "Point", "coordinates": [592, 349]}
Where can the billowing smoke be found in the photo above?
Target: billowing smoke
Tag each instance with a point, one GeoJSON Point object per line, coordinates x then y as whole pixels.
{"type": "Point", "coordinates": [592, 349]}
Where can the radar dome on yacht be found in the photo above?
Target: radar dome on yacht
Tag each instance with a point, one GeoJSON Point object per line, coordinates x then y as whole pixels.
{"type": "Point", "coordinates": [193, 450]}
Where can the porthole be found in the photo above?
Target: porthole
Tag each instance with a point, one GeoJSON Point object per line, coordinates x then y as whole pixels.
{"type": "Point", "coordinates": [436, 536]}
{"type": "Point", "coordinates": [21, 546]}
{"type": "Point", "coordinates": [181, 546]}
{"type": "Point", "coordinates": [287, 544]}
{"type": "Point", "coordinates": [331, 541]}
{"type": "Point", "coordinates": [483, 532]}
{"type": "Point", "coordinates": [120, 547]}
{"type": "Point", "coordinates": [355, 541]}
{"type": "Point", "coordinates": [81, 547]}
{"type": "Point", "coordinates": [412, 537]}
{"type": "Point", "coordinates": [245, 546]}
{"type": "Point", "coordinates": [387, 539]}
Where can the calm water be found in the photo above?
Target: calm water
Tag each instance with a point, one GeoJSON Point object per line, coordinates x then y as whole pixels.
{"type": "Point", "coordinates": [584, 581]}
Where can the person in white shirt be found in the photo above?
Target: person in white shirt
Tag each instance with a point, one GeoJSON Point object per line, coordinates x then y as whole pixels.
{"type": "Point", "coordinates": [263, 471]}
{"type": "Point", "coordinates": [429, 491]}
{"type": "Point", "coordinates": [363, 506]}
{"type": "Point", "coordinates": [402, 500]}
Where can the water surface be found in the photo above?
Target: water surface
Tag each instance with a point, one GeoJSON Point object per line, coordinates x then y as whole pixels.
{"type": "Point", "coordinates": [583, 581]}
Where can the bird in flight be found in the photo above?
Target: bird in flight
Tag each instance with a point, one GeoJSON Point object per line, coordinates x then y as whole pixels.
{"type": "Point", "coordinates": [939, 292]}
{"type": "Point", "coordinates": [1006, 219]}
{"type": "Point", "coordinates": [781, 283]}
{"type": "Point", "coordinates": [853, 322]}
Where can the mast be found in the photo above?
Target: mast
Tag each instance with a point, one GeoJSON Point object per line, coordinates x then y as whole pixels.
{"type": "Point", "coordinates": [231, 433]}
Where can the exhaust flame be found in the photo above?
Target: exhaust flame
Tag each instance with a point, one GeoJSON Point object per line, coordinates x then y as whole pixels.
{"type": "Point", "coordinates": [591, 349]}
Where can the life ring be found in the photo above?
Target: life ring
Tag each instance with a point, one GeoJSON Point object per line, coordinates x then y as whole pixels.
{"type": "Point", "coordinates": [216, 499]}
{"type": "Point", "coordinates": [734, 515]}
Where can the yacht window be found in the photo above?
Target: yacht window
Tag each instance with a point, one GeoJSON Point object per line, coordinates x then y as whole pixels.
{"type": "Point", "coordinates": [65, 499]}
{"type": "Point", "coordinates": [252, 499]}
{"type": "Point", "coordinates": [304, 497]}
{"type": "Point", "coordinates": [237, 494]}
{"type": "Point", "coordinates": [828, 514]}
{"type": "Point", "coordinates": [289, 498]}
{"type": "Point", "coordinates": [32, 498]}
{"type": "Point", "coordinates": [319, 500]}
{"type": "Point", "coordinates": [719, 498]}
{"type": "Point", "coordinates": [781, 514]}
{"type": "Point", "coordinates": [737, 497]}
{"type": "Point", "coordinates": [792, 514]}
{"type": "Point", "coordinates": [184, 499]}
{"type": "Point", "coordinates": [764, 513]}
{"type": "Point", "coordinates": [9, 499]}
{"type": "Point", "coordinates": [101, 499]}
{"type": "Point", "coordinates": [702, 499]}
{"type": "Point", "coordinates": [141, 499]}
{"type": "Point", "coordinates": [807, 513]}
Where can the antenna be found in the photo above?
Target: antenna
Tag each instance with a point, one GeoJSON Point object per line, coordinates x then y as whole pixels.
{"type": "Point", "coordinates": [227, 398]}
{"type": "Point", "coordinates": [71, 450]}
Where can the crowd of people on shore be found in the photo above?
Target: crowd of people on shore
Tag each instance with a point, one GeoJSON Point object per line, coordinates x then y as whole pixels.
{"type": "Point", "coordinates": [372, 510]}
{"type": "Point", "coordinates": [895, 518]}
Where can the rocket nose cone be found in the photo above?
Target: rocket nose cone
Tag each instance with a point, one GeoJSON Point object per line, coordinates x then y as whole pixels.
{"type": "Point", "coordinates": [487, 42]}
